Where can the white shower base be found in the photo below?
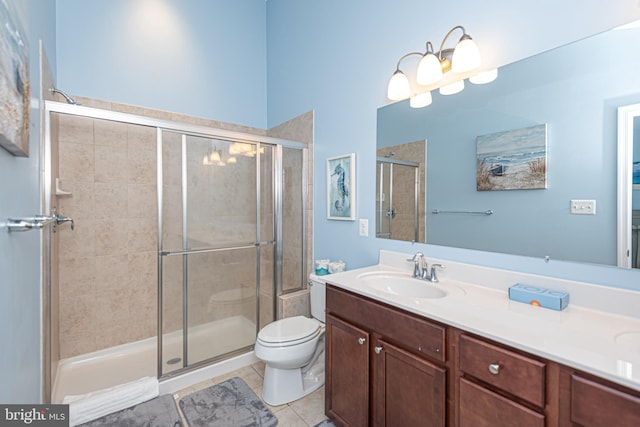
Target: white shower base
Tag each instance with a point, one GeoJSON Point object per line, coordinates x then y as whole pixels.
{"type": "Point", "coordinates": [128, 362]}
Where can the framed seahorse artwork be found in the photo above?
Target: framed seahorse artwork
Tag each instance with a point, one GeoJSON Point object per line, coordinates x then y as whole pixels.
{"type": "Point", "coordinates": [341, 187]}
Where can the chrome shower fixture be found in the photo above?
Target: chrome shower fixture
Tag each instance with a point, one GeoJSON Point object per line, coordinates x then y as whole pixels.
{"type": "Point", "coordinates": [69, 99]}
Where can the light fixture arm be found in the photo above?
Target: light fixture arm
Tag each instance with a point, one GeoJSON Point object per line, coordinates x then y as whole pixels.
{"type": "Point", "coordinates": [405, 56]}
{"type": "Point", "coordinates": [429, 48]}
{"type": "Point", "coordinates": [464, 35]}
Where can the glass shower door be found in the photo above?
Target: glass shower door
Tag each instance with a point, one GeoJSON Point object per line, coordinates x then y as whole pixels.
{"type": "Point", "coordinates": [397, 200]}
{"type": "Point", "coordinates": [213, 217]}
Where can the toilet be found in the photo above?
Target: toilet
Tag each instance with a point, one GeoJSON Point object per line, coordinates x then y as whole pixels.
{"type": "Point", "coordinates": [293, 352]}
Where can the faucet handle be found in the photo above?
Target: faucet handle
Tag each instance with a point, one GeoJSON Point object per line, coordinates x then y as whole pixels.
{"type": "Point", "coordinates": [417, 272]}
{"type": "Point", "coordinates": [433, 277]}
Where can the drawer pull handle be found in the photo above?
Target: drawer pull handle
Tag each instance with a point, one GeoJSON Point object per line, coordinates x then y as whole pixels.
{"type": "Point", "coordinates": [377, 349]}
{"type": "Point", "coordinates": [361, 340]}
{"type": "Point", "coordinates": [494, 368]}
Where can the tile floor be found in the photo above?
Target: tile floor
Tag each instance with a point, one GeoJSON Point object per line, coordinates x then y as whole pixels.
{"type": "Point", "coordinates": [306, 412]}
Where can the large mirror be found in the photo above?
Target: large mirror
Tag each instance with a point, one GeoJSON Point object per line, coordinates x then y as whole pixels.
{"type": "Point", "coordinates": [569, 97]}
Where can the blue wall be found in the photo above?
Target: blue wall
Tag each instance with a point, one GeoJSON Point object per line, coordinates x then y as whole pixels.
{"type": "Point", "coordinates": [219, 59]}
{"type": "Point", "coordinates": [336, 57]}
{"type": "Point", "coordinates": [204, 58]}
{"type": "Point", "coordinates": [582, 150]}
{"type": "Point", "coordinates": [20, 252]}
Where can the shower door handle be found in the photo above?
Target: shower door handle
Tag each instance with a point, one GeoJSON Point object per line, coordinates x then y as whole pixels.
{"type": "Point", "coordinates": [37, 222]}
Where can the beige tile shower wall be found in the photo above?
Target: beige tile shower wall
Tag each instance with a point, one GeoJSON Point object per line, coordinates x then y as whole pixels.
{"type": "Point", "coordinates": [295, 304]}
{"type": "Point", "coordinates": [300, 129]}
{"type": "Point", "coordinates": [107, 266]}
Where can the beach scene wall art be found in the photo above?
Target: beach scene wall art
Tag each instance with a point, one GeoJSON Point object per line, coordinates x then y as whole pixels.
{"type": "Point", "coordinates": [512, 160]}
{"type": "Point", "coordinates": [14, 83]}
{"type": "Point", "coordinates": [341, 187]}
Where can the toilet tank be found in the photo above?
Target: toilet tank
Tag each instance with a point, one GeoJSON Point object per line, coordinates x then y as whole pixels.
{"type": "Point", "coordinates": [317, 296]}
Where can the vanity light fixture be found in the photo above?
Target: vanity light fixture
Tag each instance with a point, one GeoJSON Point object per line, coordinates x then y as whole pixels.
{"type": "Point", "coordinates": [445, 69]}
{"type": "Point", "coordinates": [420, 100]}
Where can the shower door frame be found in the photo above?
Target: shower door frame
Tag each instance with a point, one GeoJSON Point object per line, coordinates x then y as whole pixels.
{"type": "Point", "coordinates": [381, 161]}
{"type": "Point", "coordinates": [46, 169]}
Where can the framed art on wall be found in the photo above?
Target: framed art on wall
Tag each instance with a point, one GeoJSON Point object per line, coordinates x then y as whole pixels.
{"type": "Point", "coordinates": [341, 187]}
{"type": "Point", "coordinates": [14, 83]}
{"type": "Point", "coordinates": [512, 160]}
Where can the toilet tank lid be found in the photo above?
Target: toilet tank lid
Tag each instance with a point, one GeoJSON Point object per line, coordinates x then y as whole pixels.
{"type": "Point", "coordinates": [289, 329]}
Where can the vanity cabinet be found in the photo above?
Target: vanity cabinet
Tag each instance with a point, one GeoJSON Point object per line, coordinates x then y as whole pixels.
{"type": "Point", "coordinates": [499, 387]}
{"type": "Point", "coordinates": [388, 367]}
{"type": "Point", "coordinates": [597, 403]}
{"type": "Point", "coordinates": [385, 367]}
{"type": "Point", "coordinates": [407, 390]}
{"type": "Point", "coordinates": [347, 372]}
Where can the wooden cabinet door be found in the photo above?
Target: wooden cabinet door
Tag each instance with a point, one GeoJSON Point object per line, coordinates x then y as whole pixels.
{"type": "Point", "coordinates": [597, 405]}
{"type": "Point", "coordinates": [479, 407]}
{"type": "Point", "coordinates": [408, 390]}
{"type": "Point", "coordinates": [347, 373]}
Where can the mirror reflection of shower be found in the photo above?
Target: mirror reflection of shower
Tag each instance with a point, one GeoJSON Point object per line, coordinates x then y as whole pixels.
{"type": "Point", "coordinates": [400, 196]}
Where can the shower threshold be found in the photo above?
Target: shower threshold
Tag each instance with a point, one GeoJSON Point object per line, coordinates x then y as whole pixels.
{"type": "Point", "coordinates": [127, 362]}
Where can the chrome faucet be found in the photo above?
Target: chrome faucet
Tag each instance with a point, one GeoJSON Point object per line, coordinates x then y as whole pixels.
{"type": "Point", "coordinates": [421, 268]}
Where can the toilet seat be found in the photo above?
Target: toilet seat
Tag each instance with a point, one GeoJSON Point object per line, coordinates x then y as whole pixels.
{"type": "Point", "coordinates": [290, 331]}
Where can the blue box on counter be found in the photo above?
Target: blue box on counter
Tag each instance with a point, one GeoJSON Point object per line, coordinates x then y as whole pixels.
{"type": "Point", "coordinates": [556, 300]}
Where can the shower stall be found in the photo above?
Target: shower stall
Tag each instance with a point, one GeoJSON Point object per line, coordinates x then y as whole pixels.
{"type": "Point", "coordinates": [185, 236]}
{"type": "Point", "coordinates": [398, 199]}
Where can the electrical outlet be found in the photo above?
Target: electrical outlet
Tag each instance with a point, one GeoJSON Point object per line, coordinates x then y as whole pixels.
{"type": "Point", "coordinates": [583, 207]}
{"type": "Point", "coordinates": [364, 227]}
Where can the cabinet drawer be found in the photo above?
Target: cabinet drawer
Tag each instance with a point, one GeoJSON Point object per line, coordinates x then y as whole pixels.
{"type": "Point", "coordinates": [480, 407]}
{"type": "Point", "coordinates": [594, 405]}
{"type": "Point", "coordinates": [411, 332]}
{"type": "Point", "coordinates": [516, 374]}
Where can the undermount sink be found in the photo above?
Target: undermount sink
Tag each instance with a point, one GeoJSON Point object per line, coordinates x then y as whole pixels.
{"type": "Point", "coordinates": [404, 285]}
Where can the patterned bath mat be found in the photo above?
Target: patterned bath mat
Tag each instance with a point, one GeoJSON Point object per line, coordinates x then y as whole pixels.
{"type": "Point", "coordinates": [157, 412]}
{"type": "Point", "coordinates": [228, 404]}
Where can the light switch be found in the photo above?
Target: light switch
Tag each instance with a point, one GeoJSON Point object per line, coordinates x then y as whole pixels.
{"type": "Point", "coordinates": [364, 227]}
{"type": "Point", "coordinates": [583, 207]}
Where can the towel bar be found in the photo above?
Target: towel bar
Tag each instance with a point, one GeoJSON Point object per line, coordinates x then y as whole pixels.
{"type": "Point", "coordinates": [487, 212]}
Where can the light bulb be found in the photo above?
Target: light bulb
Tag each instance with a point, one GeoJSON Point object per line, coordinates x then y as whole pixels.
{"type": "Point", "coordinates": [398, 88]}
{"type": "Point", "coordinates": [429, 70]}
{"type": "Point", "coordinates": [484, 77]}
{"type": "Point", "coordinates": [420, 100]}
{"type": "Point", "coordinates": [466, 56]}
{"type": "Point", "coordinates": [452, 88]}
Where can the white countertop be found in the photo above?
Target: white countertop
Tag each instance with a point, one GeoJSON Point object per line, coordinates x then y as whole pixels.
{"type": "Point", "coordinates": [599, 332]}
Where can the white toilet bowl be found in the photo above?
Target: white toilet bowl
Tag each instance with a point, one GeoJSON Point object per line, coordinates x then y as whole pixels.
{"type": "Point", "coordinates": [293, 352]}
